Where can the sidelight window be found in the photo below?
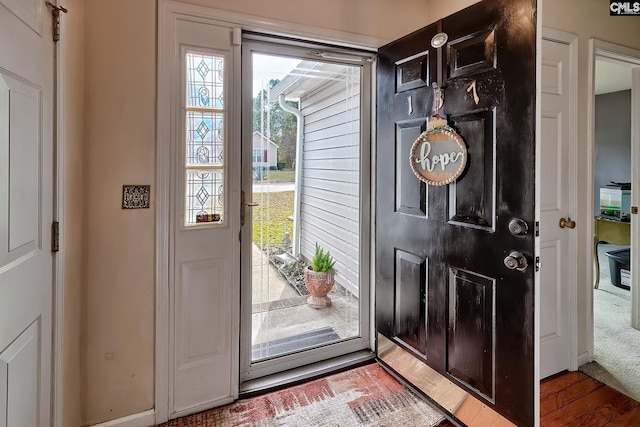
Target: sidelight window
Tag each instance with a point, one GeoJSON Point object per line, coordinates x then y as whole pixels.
{"type": "Point", "coordinates": [204, 139]}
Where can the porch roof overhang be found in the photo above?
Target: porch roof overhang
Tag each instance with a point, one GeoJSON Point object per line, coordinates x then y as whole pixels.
{"type": "Point", "coordinates": [306, 78]}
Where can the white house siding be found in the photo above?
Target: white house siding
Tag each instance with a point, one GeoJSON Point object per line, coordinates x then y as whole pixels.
{"type": "Point", "coordinates": [262, 143]}
{"type": "Point", "coordinates": [329, 212]}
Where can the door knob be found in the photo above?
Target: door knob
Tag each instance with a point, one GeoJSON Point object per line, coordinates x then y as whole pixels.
{"type": "Point", "coordinates": [518, 227]}
{"type": "Point", "coordinates": [516, 261]}
{"type": "Point", "coordinates": [567, 223]}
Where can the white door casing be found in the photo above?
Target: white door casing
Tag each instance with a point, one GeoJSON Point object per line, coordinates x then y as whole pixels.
{"type": "Point", "coordinates": [599, 48]}
{"type": "Point", "coordinates": [170, 12]}
{"type": "Point", "coordinates": [558, 200]}
{"type": "Point", "coordinates": [203, 280]}
{"type": "Point", "coordinates": [635, 194]}
{"type": "Point", "coordinates": [26, 213]}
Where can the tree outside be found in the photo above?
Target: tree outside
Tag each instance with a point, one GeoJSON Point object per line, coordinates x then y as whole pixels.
{"type": "Point", "coordinates": [276, 124]}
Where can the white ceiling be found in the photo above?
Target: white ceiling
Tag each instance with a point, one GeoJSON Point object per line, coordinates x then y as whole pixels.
{"type": "Point", "coordinates": [612, 75]}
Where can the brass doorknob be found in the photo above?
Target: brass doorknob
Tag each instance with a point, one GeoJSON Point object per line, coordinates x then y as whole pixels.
{"type": "Point", "coordinates": [567, 223]}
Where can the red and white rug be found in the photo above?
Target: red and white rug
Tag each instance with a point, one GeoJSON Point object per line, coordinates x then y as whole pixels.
{"type": "Point", "coordinates": [365, 396]}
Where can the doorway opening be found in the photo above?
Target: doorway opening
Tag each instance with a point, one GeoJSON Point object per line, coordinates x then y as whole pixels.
{"type": "Point", "coordinates": [305, 151]}
{"type": "Point", "coordinates": [615, 326]}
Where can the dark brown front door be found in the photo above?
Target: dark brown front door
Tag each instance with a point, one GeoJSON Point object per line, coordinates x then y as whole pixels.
{"type": "Point", "coordinates": [445, 297]}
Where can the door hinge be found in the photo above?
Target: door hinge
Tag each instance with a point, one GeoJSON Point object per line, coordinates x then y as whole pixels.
{"type": "Point", "coordinates": [634, 210]}
{"type": "Point", "coordinates": [537, 263]}
{"type": "Point", "coordinates": [537, 228]}
{"type": "Point", "coordinates": [55, 14]}
{"type": "Point", "coordinates": [55, 236]}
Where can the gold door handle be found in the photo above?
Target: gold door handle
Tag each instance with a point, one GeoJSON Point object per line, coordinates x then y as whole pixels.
{"type": "Point", "coordinates": [567, 223]}
{"type": "Point", "coordinates": [243, 207]}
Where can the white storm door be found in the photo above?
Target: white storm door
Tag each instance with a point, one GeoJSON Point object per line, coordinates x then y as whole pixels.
{"type": "Point", "coordinates": [26, 213]}
{"type": "Point", "coordinates": [204, 200]}
{"type": "Point", "coordinates": [557, 181]}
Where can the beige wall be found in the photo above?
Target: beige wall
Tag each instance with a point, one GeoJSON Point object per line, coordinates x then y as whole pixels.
{"type": "Point", "coordinates": [384, 19]}
{"type": "Point", "coordinates": [120, 149]}
{"type": "Point", "coordinates": [72, 228]}
{"type": "Point", "coordinates": [587, 19]}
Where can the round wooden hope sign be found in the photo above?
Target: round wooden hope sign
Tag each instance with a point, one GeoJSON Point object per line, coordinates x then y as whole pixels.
{"type": "Point", "coordinates": [438, 156]}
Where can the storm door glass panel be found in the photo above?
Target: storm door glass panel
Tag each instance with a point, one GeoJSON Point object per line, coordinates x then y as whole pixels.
{"type": "Point", "coordinates": [205, 141]}
{"type": "Point", "coordinates": [306, 181]}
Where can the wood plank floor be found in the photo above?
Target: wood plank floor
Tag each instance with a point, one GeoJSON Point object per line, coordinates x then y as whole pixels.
{"type": "Point", "coordinates": [574, 399]}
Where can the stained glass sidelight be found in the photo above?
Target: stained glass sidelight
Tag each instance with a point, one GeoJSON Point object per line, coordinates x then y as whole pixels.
{"type": "Point", "coordinates": [205, 142]}
{"type": "Point", "coordinates": [204, 138]}
{"type": "Point", "coordinates": [205, 195]}
{"type": "Point", "coordinates": [205, 81]}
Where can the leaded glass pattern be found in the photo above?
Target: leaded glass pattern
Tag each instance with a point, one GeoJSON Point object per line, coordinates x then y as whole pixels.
{"type": "Point", "coordinates": [205, 81]}
{"type": "Point", "coordinates": [204, 139]}
{"type": "Point", "coordinates": [205, 195]}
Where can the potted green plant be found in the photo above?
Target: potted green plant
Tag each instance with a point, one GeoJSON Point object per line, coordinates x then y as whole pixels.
{"type": "Point", "coordinates": [319, 278]}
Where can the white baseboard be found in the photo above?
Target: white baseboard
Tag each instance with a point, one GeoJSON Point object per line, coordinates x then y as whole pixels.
{"type": "Point", "coordinates": [584, 358]}
{"type": "Point", "coordinates": [141, 419]}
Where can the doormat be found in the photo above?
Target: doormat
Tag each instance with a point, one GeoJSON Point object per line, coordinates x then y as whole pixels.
{"type": "Point", "coordinates": [296, 342]}
{"type": "Point", "coordinates": [365, 396]}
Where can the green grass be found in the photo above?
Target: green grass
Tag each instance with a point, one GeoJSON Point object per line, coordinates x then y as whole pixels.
{"type": "Point", "coordinates": [281, 176]}
{"type": "Point", "coordinates": [270, 218]}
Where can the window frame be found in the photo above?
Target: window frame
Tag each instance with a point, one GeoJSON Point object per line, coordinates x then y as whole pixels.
{"type": "Point", "coordinates": [260, 43]}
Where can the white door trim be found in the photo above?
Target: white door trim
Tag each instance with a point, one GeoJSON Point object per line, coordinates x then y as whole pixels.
{"type": "Point", "coordinates": [60, 140]}
{"type": "Point", "coordinates": [635, 180]}
{"type": "Point", "coordinates": [141, 419]}
{"type": "Point", "coordinates": [163, 159]}
{"type": "Point", "coordinates": [572, 251]}
{"type": "Point", "coordinates": [626, 54]}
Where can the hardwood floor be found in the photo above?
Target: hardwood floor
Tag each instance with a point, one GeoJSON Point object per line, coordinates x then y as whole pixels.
{"type": "Point", "coordinates": [574, 399]}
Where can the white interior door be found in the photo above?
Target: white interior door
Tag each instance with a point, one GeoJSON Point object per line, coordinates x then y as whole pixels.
{"type": "Point", "coordinates": [557, 243]}
{"type": "Point", "coordinates": [204, 200]}
{"type": "Point", "coordinates": [26, 212]}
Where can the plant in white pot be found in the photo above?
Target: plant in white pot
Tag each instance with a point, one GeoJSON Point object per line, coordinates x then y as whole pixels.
{"type": "Point", "coordinates": [319, 278]}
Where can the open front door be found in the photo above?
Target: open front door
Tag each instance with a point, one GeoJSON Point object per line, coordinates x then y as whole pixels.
{"type": "Point", "coordinates": [455, 264]}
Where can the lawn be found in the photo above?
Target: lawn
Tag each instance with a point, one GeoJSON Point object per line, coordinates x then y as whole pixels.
{"type": "Point", "coordinates": [281, 176]}
{"type": "Point", "coordinates": [270, 218]}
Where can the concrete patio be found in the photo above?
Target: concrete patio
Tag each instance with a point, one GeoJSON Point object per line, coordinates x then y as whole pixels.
{"type": "Point", "coordinates": [280, 313]}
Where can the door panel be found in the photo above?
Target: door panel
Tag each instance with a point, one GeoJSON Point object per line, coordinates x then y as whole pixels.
{"type": "Point", "coordinates": [477, 313]}
{"type": "Point", "coordinates": [410, 305]}
{"type": "Point", "coordinates": [204, 197]}
{"type": "Point", "coordinates": [472, 201]}
{"type": "Point", "coordinates": [556, 246]}
{"type": "Point", "coordinates": [410, 204]}
{"type": "Point", "coordinates": [410, 193]}
{"type": "Point", "coordinates": [18, 371]}
{"type": "Point", "coordinates": [471, 351]}
{"type": "Point", "coordinates": [26, 214]}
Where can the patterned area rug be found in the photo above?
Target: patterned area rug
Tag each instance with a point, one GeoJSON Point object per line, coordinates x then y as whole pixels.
{"type": "Point", "coordinates": [365, 396]}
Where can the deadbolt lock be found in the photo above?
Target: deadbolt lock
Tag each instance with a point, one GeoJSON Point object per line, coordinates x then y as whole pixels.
{"type": "Point", "coordinates": [518, 227]}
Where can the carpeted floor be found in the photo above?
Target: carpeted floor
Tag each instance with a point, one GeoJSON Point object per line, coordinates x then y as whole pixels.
{"type": "Point", "coordinates": [616, 343]}
{"type": "Point", "coordinates": [365, 396]}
